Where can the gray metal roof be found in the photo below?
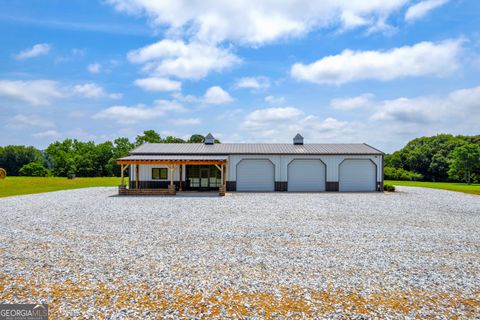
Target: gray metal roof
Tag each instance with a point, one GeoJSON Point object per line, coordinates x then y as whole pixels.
{"type": "Point", "coordinates": [173, 157]}
{"type": "Point", "coordinates": [254, 148]}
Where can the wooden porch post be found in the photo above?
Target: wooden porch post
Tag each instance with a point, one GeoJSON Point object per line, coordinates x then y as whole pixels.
{"type": "Point", "coordinates": [122, 183]}
{"type": "Point", "coordinates": [171, 174]}
{"type": "Point", "coordinates": [226, 175]}
{"type": "Point", "coordinates": [122, 170]}
{"type": "Point", "coordinates": [137, 176]}
{"type": "Point", "coordinates": [180, 173]}
{"type": "Point", "coordinates": [221, 175]}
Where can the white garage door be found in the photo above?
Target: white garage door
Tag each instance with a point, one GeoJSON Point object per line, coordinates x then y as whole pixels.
{"type": "Point", "coordinates": [357, 175]}
{"type": "Point", "coordinates": [255, 175]}
{"type": "Point", "coordinates": [306, 175]}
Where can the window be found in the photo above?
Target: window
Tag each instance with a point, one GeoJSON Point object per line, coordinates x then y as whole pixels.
{"type": "Point", "coordinates": [159, 173]}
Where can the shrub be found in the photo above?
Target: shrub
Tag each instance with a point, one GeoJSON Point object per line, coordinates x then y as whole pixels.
{"type": "Point", "coordinates": [34, 169]}
{"type": "Point", "coordinates": [389, 187]}
{"type": "Point", "coordinates": [401, 174]}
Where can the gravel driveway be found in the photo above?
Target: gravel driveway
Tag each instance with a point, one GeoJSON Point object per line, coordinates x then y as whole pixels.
{"type": "Point", "coordinates": [90, 253]}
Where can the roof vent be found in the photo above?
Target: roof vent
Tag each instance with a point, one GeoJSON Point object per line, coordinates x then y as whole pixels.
{"type": "Point", "coordinates": [209, 139]}
{"type": "Point", "coordinates": [298, 139]}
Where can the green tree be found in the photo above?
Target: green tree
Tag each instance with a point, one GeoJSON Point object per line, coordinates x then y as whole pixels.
{"type": "Point", "coordinates": [427, 156]}
{"type": "Point", "coordinates": [34, 169]}
{"type": "Point", "coordinates": [103, 154]}
{"type": "Point", "coordinates": [465, 160]}
{"type": "Point", "coordinates": [149, 136]}
{"type": "Point", "coordinates": [401, 174]}
{"type": "Point", "coordinates": [121, 148]}
{"type": "Point", "coordinates": [171, 139]}
{"type": "Point", "coordinates": [196, 138]}
{"type": "Point", "coordinates": [12, 158]}
{"type": "Point", "coordinates": [439, 166]}
{"type": "Point", "coordinates": [60, 155]}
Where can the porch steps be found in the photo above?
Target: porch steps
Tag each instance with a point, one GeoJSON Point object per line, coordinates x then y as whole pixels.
{"type": "Point", "coordinates": [123, 191]}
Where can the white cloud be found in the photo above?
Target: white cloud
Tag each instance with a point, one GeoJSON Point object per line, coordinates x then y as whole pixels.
{"type": "Point", "coordinates": [46, 134]}
{"type": "Point", "coordinates": [34, 92]}
{"type": "Point", "coordinates": [265, 117]}
{"type": "Point", "coordinates": [133, 114]}
{"type": "Point", "coordinates": [37, 50]}
{"type": "Point", "coordinates": [421, 9]}
{"type": "Point", "coordinates": [169, 106]}
{"type": "Point", "coordinates": [79, 52]}
{"type": "Point", "coordinates": [213, 95]}
{"type": "Point", "coordinates": [128, 115]}
{"type": "Point", "coordinates": [424, 58]}
{"type": "Point", "coordinates": [182, 60]}
{"type": "Point", "coordinates": [253, 83]}
{"type": "Point", "coordinates": [272, 100]}
{"type": "Point", "coordinates": [80, 134]}
{"type": "Point", "coordinates": [26, 121]}
{"type": "Point", "coordinates": [460, 106]}
{"type": "Point", "coordinates": [314, 126]}
{"type": "Point", "coordinates": [351, 20]}
{"type": "Point", "coordinates": [186, 121]}
{"type": "Point", "coordinates": [357, 102]}
{"type": "Point", "coordinates": [257, 22]}
{"type": "Point", "coordinates": [158, 84]}
{"type": "Point", "coordinates": [44, 92]}
{"type": "Point", "coordinates": [94, 68]}
{"type": "Point", "coordinates": [92, 90]}
{"type": "Point", "coordinates": [281, 124]}
{"type": "Point", "coordinates": [216, 95]}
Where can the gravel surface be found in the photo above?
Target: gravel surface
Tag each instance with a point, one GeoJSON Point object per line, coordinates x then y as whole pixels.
{"type": "Point", "coordinates": [90, 253]}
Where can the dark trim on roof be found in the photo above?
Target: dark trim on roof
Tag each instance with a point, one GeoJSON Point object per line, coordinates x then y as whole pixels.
{"type": "Point", "coordinates": [374, 148]}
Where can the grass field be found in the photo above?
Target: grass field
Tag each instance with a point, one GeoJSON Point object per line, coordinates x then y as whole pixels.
{"type": "Point", "coordinates": [452, 186]}
{"type": "Point", "coordinates": [12, 186]}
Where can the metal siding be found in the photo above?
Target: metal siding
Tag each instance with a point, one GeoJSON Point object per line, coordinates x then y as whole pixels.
{"type": "Point", "coordinates": [281, 164]}
{"type": "Point", "coordinates": [255, 175]}
{"type": "Point", "coordinates": [332, 163]}
{"type": "Point", "coordinates": [357, 175]}
{"type": "Point", "coordinates": [306, 175]}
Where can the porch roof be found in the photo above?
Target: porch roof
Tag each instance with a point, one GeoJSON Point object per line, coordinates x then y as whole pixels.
{"type": "Point", "coordinates": [172, 159]}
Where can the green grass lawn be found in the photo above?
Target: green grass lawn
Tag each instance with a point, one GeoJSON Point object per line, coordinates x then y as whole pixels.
{"type": "Point", "coordinates": [12, 186]}
{"type": "Point", "coordinates": [452, 186]}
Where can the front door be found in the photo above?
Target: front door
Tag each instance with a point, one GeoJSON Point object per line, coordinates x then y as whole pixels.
{"type": "Point", "coordinates": [204, 178]}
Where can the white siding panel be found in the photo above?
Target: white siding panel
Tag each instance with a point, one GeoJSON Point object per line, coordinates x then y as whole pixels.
{"type": "Point", "coordinates": [332, 163]}
{"type": "Point", "coordinates": [145, 172]}
{"type": "Point", "coordinates": [357, 175]}
{"type": "Point", "coordinates": [255, 175]}
{"type": "Point", "coordinates": [306, 175]}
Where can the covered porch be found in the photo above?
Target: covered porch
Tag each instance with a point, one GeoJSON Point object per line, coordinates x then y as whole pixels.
{"type": "Point", "coordinates": [169, 174]}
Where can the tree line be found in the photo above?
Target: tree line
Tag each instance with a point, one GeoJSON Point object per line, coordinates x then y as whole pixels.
{"type": "Point", "coordinates": [443, 157]}
{"type": "Point", "coordinates": [71, 157]}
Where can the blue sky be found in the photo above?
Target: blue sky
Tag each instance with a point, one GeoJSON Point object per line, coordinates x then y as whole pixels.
{"type": "Point", "coordinates": [380, 72]}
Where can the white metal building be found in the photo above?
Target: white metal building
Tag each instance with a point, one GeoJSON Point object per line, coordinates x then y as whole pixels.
{"type": "Point", "coordinates": [256, 167]}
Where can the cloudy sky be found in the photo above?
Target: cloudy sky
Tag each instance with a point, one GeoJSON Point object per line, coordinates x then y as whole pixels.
{"type": "Point", "coordinates": [379, 71]}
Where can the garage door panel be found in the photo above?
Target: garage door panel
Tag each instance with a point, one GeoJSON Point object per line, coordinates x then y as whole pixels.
{"type": "Point", "coordinates": [255, 175]}
{"type": "Point", "coordinates": [306, 175]}
{"type": "Point", "coordinates": [357, 175]}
